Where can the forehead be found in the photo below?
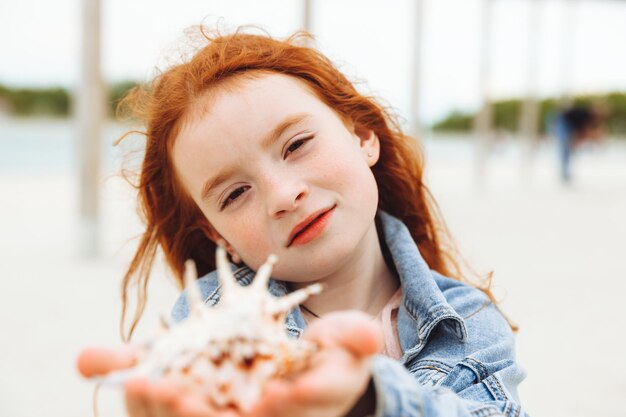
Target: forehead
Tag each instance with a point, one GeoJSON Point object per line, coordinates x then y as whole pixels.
{"type": "Point", "coordinates": [249, 103]}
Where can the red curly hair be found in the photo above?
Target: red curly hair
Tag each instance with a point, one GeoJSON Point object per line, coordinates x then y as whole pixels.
{"type": "Point", "coordinates": [175, 224]}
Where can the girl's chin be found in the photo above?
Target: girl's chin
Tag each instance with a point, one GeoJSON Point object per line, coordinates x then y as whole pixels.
{"type": "Point", "coordinates": [314, 266]}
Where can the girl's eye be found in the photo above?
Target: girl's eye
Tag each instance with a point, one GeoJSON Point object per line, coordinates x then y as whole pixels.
{"type": "Point", "coordinates": [297, 144]}
{"type": "Point", "coordinates": [233, 196]}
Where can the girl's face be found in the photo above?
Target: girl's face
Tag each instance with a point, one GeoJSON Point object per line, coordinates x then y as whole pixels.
{"type": "Point", "coordinates": [276, 171]}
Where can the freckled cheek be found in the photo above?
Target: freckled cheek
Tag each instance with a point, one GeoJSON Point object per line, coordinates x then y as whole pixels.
{"type": "Point", "coordinates": [342, 173]}
{"type": "Point", "coordinates": [355, 181]}
{"type": "Point", "coordinates": [249, 240]}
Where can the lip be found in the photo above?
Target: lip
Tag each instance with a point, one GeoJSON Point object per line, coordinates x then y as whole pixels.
{"type": "Point", "coordinates": [306, 223]}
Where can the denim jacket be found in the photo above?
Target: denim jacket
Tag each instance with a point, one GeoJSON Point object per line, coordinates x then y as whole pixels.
{"type": "Point", "coordinates": [459, 351]}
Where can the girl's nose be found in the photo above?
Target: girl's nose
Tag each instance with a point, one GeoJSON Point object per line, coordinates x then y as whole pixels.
{"type": "Point", "coordinates": [285, 196]}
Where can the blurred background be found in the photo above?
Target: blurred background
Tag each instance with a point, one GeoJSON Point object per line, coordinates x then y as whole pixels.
{"type": "Point", "coordinates": [520, 106]}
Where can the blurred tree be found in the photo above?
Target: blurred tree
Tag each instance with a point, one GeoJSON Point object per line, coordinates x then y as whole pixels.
{"type": "Point", "coordinates": [455, 122]}
{"type": "Point", "coordinates": [36, 102]}
{"type": "Point", "coordinates": [56, 102]}
{"type": "Point", "coordinates": [507, 112]}
{"type": "Point", "coordinates": [616, 121]}
{"type": "Point", "coordinates": [53, 101]}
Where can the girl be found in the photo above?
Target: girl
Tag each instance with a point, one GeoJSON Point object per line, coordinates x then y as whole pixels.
{"type": "Point", "coordinates": [264, 146]}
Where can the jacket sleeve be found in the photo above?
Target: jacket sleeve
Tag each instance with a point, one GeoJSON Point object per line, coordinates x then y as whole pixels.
{"type": "Point", "coordinates": [399, 394]}
{"type": "Point", "coordinates": [482, 383]}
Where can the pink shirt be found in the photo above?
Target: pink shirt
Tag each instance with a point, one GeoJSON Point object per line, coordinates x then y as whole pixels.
{"type": "Point", "coordinates": [388, 318]}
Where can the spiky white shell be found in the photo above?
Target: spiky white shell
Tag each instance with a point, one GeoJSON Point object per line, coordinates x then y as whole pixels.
{"type": "Point", "coordinates": [228, 351]}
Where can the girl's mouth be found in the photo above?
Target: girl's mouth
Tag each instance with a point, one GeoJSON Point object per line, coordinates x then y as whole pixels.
{"type": "Point", "coordinates": [310, 228]}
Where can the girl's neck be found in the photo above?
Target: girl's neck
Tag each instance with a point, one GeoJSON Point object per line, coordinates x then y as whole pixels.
{"type": "Point", "coordinates": [364, 283]}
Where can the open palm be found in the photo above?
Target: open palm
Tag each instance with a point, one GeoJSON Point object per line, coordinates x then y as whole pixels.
{"type": "Point", "coordinates": [335, 381]}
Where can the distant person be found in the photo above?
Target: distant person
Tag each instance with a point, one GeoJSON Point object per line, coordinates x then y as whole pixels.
{"type": "Point", "coordinates": [572, 127]}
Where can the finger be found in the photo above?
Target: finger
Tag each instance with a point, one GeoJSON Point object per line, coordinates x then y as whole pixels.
{"type": "Point", "coordinates": [330, 383]}
{"type": "Point", "coordinates": [100, 361]}
{"type": "Point", "coordinates": [352, 330]}
{"type": "Point", "coordinates": [276, 394]}
{"type": "Point", "coordinates": [196, 406]}
{"type": "Point", "coordinates": [163, 398]}
{"type": "Point", "coordinates": [137, 398]}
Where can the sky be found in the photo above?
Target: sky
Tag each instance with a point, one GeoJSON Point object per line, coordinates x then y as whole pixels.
{"type": "Point", "coordinates": [578, 48]}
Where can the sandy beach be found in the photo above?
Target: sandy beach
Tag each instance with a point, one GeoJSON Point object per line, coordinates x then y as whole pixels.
{"type": "Point", "coordinates": [557, 254]}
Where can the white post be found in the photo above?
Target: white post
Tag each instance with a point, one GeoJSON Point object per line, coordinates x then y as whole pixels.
{"type": "Point", "coordinates": [567, 50]}
{"type": "Point", "coordinates": [89, 112]}
{"type": "Point", "coordinates": [529, 116]}
{"type": "Point", "coordinates": [307, 16]}
{"type": "Point", "coordinates": [483, 121]}
{"type": "Point", "coordinates": [416, 69]}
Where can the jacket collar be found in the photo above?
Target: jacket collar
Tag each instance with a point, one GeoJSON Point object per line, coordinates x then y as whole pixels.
{"type": "Point", "coordinates": [423, 306]}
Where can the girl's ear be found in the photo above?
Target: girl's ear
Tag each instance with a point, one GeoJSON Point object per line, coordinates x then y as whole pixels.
{"type": "Point", "coordinates": [370, 144]}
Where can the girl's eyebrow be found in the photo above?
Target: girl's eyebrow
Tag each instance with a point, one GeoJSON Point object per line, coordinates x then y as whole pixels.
{"type": "Point", "coordinates": [275, 133]}
{"type": "Point", "coordinates": [212, 183]}
{"type": "Point", "coordinates": [267, 141]}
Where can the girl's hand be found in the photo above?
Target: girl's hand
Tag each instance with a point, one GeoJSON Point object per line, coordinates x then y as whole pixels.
{"type": "Point", "coordinates": [165, 398]}
{"type": "Point", "coordinates": [339, 374]}
{"type": "Point", "coordinates": [333, 385]}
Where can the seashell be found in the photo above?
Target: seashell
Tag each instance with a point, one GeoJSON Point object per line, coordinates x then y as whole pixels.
{"type": "Point", "coordinates": [231, 350]}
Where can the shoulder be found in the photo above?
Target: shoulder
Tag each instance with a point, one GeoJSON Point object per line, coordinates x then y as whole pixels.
{"type": "Point", "coordinates": [483, 367]}
{"type": "Point", "coordinates": [484, 322]}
